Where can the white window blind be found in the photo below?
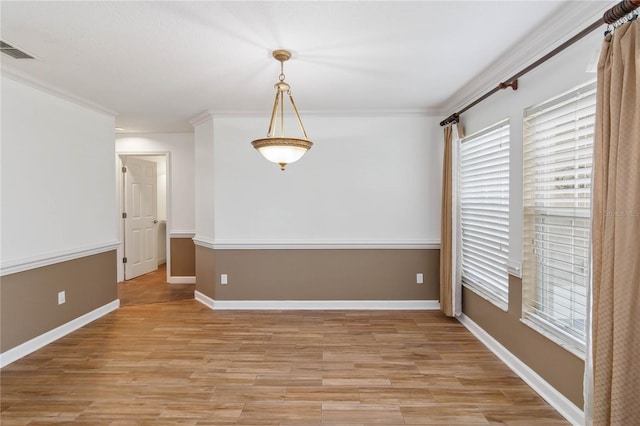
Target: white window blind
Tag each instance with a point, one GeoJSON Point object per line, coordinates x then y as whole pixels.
{"type": "Point", "coordinates": [484, 212]}
{"type": "Point", "coordinates": [558, 150]}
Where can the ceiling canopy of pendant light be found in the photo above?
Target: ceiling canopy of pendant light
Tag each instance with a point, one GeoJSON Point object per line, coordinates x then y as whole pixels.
{"type": "Point", "coordinates": [276, 147]}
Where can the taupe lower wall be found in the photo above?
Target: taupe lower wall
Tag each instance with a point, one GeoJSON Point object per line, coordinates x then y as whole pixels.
{"type": "Point", "coordinates": [559, 367]}
{"type": "Point", "coordinates": [205, 271]}
{"type": "Point", "coordinates": [183, 257]}
{"type": "Point", "coordinates": [29, 300]}
{"type": "Point", "coordinates": [328, 274]}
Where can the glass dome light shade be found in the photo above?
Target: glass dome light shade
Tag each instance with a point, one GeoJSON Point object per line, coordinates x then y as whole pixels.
{"type": "Point", "coordinates": [282, 151]}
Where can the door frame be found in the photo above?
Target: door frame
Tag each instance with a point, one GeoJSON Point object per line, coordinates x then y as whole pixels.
{"type": "Point", "coordinates": [120, 204]}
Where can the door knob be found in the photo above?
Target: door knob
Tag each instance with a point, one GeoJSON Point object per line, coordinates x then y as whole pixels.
{"type": "Point", "coordinates": [155, 221]}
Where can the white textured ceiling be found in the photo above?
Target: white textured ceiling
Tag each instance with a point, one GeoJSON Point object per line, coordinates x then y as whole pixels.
{"type": "Point", "coordinates": [160, 63]}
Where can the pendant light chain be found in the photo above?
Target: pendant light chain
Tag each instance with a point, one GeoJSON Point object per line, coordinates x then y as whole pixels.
{"type": "Point", "coordinates": [281, 76]}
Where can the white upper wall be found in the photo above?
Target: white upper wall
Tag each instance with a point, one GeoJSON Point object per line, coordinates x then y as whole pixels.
{"type": "Point", "coordinates": [58, 192]}
{"type": "Point", "coordinates": [367, 180]}
{"type": "Point", "coordinates": [180, 147]}
{"type": "Point", "coordinates": [204, 176]}
{"type": "Point", "coordinates": [565, 71]}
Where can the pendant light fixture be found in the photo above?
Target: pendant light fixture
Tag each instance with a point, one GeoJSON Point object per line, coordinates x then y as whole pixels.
{"type": "Point", "coordinates": [278, 148]}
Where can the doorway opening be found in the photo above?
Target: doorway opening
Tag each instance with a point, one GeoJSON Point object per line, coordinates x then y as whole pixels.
{"type": "Point", "coordinates": [143, 216]}
{"type": "Point", "coordinates": [146, 203]}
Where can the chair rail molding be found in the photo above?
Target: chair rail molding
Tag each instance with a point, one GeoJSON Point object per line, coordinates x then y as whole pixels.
{"type": "Point", "coordinates": [46, 259]}
{"type": "Point", "coordinates": [326, 245]}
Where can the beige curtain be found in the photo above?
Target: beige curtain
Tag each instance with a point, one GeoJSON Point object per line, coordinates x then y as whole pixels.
{"type": "Point", "coordinates": [616, 232]}
{"type": "Point", "coordinates": [450, 290]}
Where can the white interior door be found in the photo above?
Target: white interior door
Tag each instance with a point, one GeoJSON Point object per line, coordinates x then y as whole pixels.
{"type": "Point", "coordinates": [140, 223]}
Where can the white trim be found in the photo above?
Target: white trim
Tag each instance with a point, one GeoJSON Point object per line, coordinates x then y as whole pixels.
{"type": "Point", "coordinates": [201, 118]}
{"type": "Point", "coordinates": [144, 153]}
{"type": "Point", "coordinates": [205, 116]}
{"type": "Point", "coordinates": [27, 263]}
{"type": "Point", "coordinates": [326, 245]}
{"type": "Point", "coordinates": [134, 133]}
{"type": "Point", "coordinates": [428, 305]}
{"type": "Point", "coordinates": [558, 401]}
{"type": "Point", "coordinates": [418, 112]}
{"type": "Point", "coordinates": [281, 305]}
{"type": "Point", "coordinates": [554, 31]}
{"type": "Point", "coordinates": [314, 245]}
{"type": "Point", "coordinates": [120, 201]}
{"type": "Point", "coordinates": [119, 221]}
{"type": "Point", "coordinates": [203, 242]}
{"type": "Point", "coordinates": [182, 234]}
{"type": "Point", "coordinates": [51, 336]}
{"type": "Point", "coordinates": [27, 80]}
{"type": "Point", "coordinates": [514, 268]}
{"type": "Point", "coordinates": [181, 280]}
{"type": "Point", "coordinates": [204, 299]}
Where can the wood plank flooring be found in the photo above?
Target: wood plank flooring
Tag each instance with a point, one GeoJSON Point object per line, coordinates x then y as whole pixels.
{"type": "Point", "coordinates": [181, 363]}
{"type": "Point", "coordinates": [153, 288]}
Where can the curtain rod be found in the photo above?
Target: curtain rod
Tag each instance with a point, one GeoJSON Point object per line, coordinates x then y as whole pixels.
{"type": "Point", "coordinates": [610, 16]}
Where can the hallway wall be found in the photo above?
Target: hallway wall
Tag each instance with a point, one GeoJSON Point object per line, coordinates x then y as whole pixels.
{"type": "Point", "coordinates": [58, 204]}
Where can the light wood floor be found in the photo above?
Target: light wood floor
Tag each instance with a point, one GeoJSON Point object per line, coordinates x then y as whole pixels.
{"type": "Point", "coordinates": [153, 288]}
{"type": "Point", "coordinates": [180, 362]}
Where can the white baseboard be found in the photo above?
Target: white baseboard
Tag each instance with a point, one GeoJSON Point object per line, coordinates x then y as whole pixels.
{"type": "Point", "coordinates": [204, 299]}
{"type": "Point", "coordinates": [181, 280]}
{"type": "Point", "coordinates": [328, 304]}
{"type": "Point", "coordinates": [281, 305]}
{"type": "Point", "coordinates": [51, 336]}
{"type": "Point", "coordinates": [558, 401]}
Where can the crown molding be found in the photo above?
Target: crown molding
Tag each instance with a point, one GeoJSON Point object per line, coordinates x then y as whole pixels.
{"type": "Point", "coordinates": [213, 114]}
{"type": "Point", "coordinates": [201, 118]}
{"type": "Point", "coordinates": [127, 133]}
{"type": "Point", "coordinates": [571, 18]}
{"type": "Point", "coordinates": [420, 112]}
{"type": "Point", "coordinates": [34, 83]}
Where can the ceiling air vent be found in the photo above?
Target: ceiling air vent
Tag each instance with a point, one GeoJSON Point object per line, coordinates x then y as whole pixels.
{"type": "Point", "coordinates": [13, 52]}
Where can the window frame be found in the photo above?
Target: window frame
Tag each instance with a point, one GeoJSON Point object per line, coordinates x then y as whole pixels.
{"type": "Point", "coordinates": [555, 300]}
{"type": "Point", "coordinates": [492, 285]}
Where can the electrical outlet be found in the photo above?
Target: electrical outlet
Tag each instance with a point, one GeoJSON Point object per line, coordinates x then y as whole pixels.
{"type": "Point", "coordinates": [61, 297]}
{"type": "Point", "coordinates": [419, 278]}
{"type": "Point", "coordinates": [223, 278]}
